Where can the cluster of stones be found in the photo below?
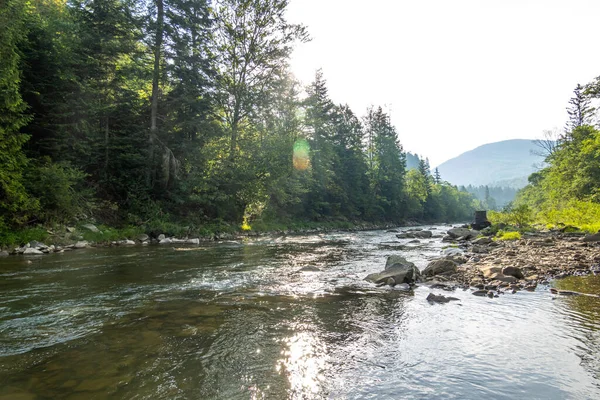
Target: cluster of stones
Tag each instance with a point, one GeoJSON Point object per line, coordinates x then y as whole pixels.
{"type": "Point", "coordinates": [490, 268]}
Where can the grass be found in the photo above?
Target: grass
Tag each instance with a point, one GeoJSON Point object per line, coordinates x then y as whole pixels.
{"type": "Point", "coordinates": [21, 237]}
{"type": "Point", "coordinates": [503, 235]}
{"type": "Point", "coordinates": [584, 215]}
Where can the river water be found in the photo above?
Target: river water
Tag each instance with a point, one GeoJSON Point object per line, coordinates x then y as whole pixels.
{"type": "Point", "coordinates": [238, 320]}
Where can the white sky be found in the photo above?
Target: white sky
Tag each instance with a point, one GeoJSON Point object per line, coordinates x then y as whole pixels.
{"type": "Point", "coordinates": [455, 74]}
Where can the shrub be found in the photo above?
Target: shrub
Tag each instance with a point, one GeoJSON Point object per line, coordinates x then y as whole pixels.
{"type": "Point", "coordinates": [502, 235]}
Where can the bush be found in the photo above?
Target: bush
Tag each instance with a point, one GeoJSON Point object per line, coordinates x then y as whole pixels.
{"type": "Point", "coordinates": [9, 237]}
{"type": "Point", "coordinates": [502, 235]}
{"type": "Point", "coordinates": [582, 214]}
{"type": "Point", "coordinates": [60, 189]}
{"type": "Point", "coordinates": [520, 216]}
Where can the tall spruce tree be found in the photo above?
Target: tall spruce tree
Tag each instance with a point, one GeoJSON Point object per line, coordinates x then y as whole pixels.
{"type": "Point", "coordinates": [15, 204]}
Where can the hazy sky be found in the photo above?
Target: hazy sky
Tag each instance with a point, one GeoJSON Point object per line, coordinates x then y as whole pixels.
{"type": "Point", "coordinates": [455, 74]}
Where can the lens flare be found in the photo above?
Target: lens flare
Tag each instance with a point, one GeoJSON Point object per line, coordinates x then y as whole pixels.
{"type": "Point", "coordinates": [301, 158]}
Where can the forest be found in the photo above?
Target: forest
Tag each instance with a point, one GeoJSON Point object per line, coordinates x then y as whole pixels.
{"type": "Point", "coordinates": [166, 113]}
{"type": "Point", "coordinates": [566, 193]}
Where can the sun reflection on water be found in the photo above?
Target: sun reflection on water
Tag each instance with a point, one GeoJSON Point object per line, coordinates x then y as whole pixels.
{"type": "Point", "coordinates": [304, 362]}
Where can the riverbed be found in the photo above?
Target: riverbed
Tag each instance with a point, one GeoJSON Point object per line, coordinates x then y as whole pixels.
{"type": "Point", "coordinates": [240, 320]}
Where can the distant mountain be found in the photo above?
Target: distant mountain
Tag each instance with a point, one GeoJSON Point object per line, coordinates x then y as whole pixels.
{"type": "Point", "coordinates": [507, 163]}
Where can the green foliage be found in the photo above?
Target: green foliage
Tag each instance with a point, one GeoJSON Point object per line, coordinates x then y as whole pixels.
{"type": "Point", "coordinates": [19, 237]}
{"type": "Point", "coordinates": [582, 214]}
{"type": "Point", "coordinates": [180, 117]}
{"type": "Point", "coordinates": [108, 234]}
{"type": "Point", "coordinates": [503, 235]}
{"type": "Point", "coordinates": [15, 204]}
{"type": "Point", "coordinates": [520, 216]}
{"type": "Point", "coordinates": [61, 192]}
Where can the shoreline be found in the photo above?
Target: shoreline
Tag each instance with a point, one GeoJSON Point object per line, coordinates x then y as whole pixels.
{"type": "Point", "coordinates": [69, 238]}
{"type": "Point", "coordinates": [494, 267]}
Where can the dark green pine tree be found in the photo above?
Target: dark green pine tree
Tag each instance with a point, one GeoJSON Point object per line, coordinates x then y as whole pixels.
{"type": "Point", "coordinates": [387, 166]}
{"type": "Point", "coordinates": [101, 124]}
{"type": "Point", "coordinates": [324, 197]}
{"type": "Point", "coordinates": [580, 110]}
{"type": "Point", "coordinates": [351, 167]}
{"type": "Point", "coordinates": [15, 204]}
{"type": "Point", "coordinates": [437, 177]}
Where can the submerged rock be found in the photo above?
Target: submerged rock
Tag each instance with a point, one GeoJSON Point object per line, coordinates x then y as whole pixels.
{"type": "Point", "coordinates": [432, 298]}
{"type": "Point", "coordinates": [309, 269]}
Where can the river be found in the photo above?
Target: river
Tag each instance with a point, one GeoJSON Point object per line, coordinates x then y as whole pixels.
{"type": "Point", "coordinates": [238, 320]}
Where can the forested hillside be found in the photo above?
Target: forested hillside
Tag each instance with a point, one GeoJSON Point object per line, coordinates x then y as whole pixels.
{"type": "Point", "coordinates": [501, 164]}
{"type": "Point", "coordinates": [144, 113]}
{"type": "Point", "coordinates": [566, 194]}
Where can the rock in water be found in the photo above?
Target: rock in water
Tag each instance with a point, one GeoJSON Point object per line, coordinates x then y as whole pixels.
{"type": "Point", "coordinates": [30, 251]}
{"type": "Point", "coordinates": [432, 298]}
{"type": "Point", "coordinates": [456, 233]}
{"type": "Point", "coordinates": [398, 268]}
{"type": "Point", "coordinates": [438, 267]}
{"type": "Point", "coordinates": [423, 234]}
{"type": "Point", "coordinates": [393, 261]}
{"type": "Point", "coordinates": [309, 269]}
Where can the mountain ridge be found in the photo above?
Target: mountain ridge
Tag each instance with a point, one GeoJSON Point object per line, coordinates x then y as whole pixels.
{"type": "Point", "coordinates": [505, 163]}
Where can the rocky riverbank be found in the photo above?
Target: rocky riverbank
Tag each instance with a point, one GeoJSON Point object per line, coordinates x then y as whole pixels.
{"type": "Point", "coordinates": [71, 238]}
{"type": "Point", "coordinates": [490, 267]}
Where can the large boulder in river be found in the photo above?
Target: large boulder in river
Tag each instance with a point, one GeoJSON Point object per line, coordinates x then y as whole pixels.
{"type": "Point", "coordinates": [394, 261]}
{"type": "Point", "coordinates": [423, 234]}
{"type": "Point", "coordinates": [399, 270]}
{"type": "Point", "coordinates": [439, 267]}
{"type": "Point", "coordinates": [456, 233]}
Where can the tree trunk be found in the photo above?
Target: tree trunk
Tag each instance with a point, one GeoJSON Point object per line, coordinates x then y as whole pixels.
{"type": "Point", "coordinates": [106, 142]}
{"type": "Point", "coordinates": [155, 90]}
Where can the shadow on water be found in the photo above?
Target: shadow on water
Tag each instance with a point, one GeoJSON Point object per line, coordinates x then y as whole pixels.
{"type": "Point", "coordinates": [239, 320]}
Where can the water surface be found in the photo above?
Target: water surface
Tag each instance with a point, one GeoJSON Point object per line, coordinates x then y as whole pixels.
{"type": "Point", "coordinates": [238, 320]}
